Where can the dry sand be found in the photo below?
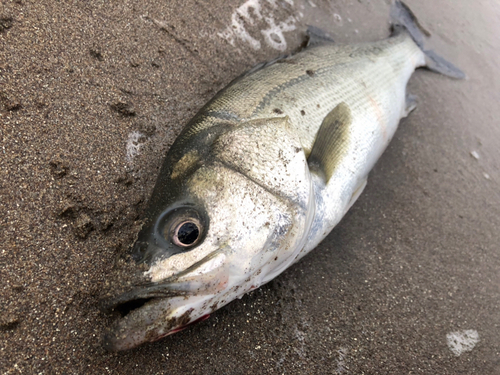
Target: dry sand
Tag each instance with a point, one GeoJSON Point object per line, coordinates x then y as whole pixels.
{"type": "Point", "coordinates": [92, 94]}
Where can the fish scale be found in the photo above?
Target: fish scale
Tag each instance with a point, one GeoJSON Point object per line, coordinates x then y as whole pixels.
{"type": "Point", "coordinates": [263, 173]}
{"type": "Point", "coordinates": [262, 91]}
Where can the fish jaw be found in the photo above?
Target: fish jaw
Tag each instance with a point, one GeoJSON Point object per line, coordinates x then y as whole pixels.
{"type": "Point", "coordinates": [193, 297]}
{"type": "Point", "coordinates": [168, 306]}
{"type": "Point", "coordinates": [159, 309]}
{"type": "Point", "coordinates": [161, 317]}
{"type": "Point", "coordinates": [158, 318]}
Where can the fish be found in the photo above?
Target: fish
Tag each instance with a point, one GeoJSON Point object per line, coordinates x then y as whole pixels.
{"type": "Point", "coordinates": [264, 172]}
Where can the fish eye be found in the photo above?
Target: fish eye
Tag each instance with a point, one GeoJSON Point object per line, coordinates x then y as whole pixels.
{"type": "Point", "coordinates": [181, 228]}
{"type": "Point", "coordinates": [186, 233]}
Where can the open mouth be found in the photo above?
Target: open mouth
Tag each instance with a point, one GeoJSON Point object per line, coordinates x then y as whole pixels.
{"type": "Point", "coordinates": [154, 310]}
{"type": "Point", "coordinates": [182, 284]}
{"type": "Point", "coordinates": [135, 299]}
{"type": "Point", "coordinates": [149, 312]}
{"type": "Point", "coordinates": [125, 308]}
{"type": "Point", "coordinates": [139, 316]}
{"type": "Point", "coordinates": [147, 319]}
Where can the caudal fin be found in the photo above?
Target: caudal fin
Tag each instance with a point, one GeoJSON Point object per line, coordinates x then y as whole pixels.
{"type": "Point", "coordinates": [403, 17]}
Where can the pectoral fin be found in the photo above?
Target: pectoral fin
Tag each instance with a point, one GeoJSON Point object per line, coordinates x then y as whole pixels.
{"type": "Point", "coordinates": [331, 142]}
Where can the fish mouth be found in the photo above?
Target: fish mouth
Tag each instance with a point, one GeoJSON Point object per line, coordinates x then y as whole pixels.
{"type": "Point", "coordinates": [137, 313]}
{"type": "Point", "coordinates": [183, 283]}
{"type": "Point", "coordinates": [153, 310]}
{"type": "Point", "coordinates": [138, 297]}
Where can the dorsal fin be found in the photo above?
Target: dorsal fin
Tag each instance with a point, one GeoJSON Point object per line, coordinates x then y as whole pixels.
{"type": "Point", "coordinates": [316, 36]}
{"type": "Point", "coordinates": [331, 141]}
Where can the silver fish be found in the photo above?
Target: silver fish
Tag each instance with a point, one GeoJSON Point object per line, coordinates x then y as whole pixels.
{"type": "Point", "coordinates": [264, 172]}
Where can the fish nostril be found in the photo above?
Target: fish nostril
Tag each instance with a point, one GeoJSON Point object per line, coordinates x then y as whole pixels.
{"type": "Point", "coordinates": [126, 307]}
{"type": "Point", "coordinates": [139, 250]}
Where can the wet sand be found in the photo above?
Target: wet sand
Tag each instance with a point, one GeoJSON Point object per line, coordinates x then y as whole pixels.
{"type": "Point", "coordinates": [92, 95]}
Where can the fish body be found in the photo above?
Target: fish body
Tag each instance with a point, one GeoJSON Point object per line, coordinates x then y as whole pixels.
{"type": "Point", "coordinates": [261, 130]}
{"type": "Point", "coordinates": [260, 176]}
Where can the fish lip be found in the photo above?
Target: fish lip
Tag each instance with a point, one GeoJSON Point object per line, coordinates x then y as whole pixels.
{"type": "Point", "coordinates": [168, 288]}
{"type": "Point", "coordinates": [148, 291]}
{"type": "Point", "coordinates": [133, 329]}
{"type": "Point", "coordinates": [111, 343]}
{"type": "Point", "coordinates": [125, 332]}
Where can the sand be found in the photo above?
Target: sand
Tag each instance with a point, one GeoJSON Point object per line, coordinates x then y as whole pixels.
{"type": "Point", "coordinates": [93, 93]}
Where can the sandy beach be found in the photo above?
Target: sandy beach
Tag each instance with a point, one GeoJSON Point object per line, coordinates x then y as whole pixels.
{"type": "Point", "coordinates": [92, 95]}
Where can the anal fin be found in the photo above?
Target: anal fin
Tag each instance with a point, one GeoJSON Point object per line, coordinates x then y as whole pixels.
{"type": "Point", "coordinates": [410, 104]}
{"type": "Point", "coordinates": [331, 142]}
{"type": "Point", "coordinates": [357, 192]}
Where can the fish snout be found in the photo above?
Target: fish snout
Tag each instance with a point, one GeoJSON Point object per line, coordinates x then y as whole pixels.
{"type": "Point", "coordinates": [153, 320]}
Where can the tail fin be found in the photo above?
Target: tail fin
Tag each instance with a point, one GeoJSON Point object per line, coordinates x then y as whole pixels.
{"type": "Point", "coordinates": [403, 17]}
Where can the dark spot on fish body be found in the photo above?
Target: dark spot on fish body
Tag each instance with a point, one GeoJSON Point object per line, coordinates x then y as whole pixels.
{"type": "Point", "coordinates": [302, 112]}
{"type": "Point", "coordinates": [318, 106]}
{"type": "Point", "coordinates": [366, 51]}
{"type": "Point", "coordinates": [181, 320]}
{"type": "Point", "coordinates": [278, 111]}
{"type": "Point", "coordinates": [286, 60]}
{"type": "Point", "coordinates": [310, 73]}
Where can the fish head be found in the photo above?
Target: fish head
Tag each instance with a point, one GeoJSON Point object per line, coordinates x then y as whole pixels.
{"type": "Point", "coordinates": [214, 232]}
